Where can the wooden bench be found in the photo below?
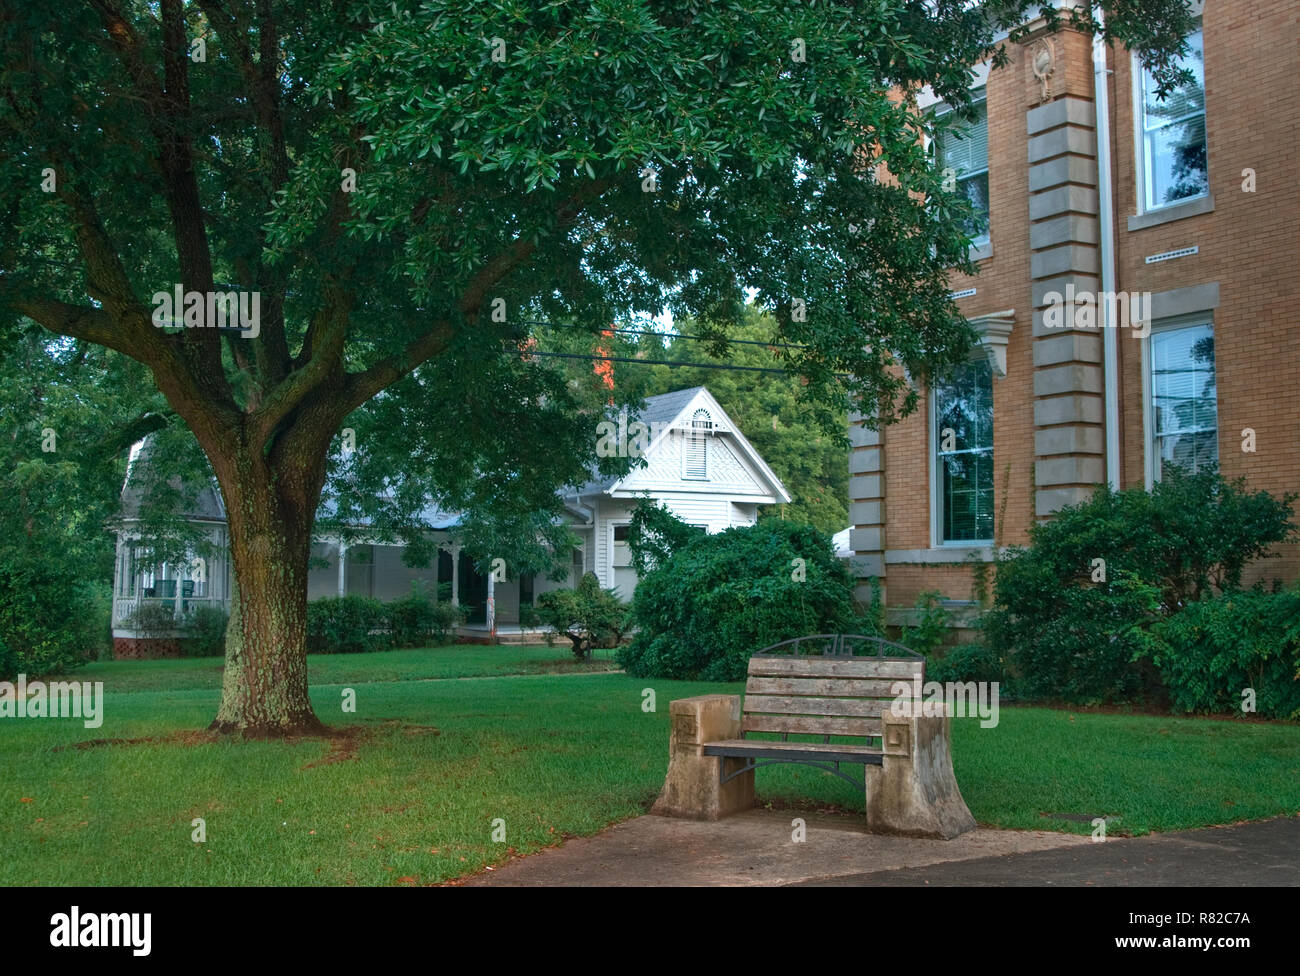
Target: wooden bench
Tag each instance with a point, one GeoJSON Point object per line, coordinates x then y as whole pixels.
{"type": "Point", "coordinates": [824, 687]}
{"type": "Point", "coordinates": [835, 693]}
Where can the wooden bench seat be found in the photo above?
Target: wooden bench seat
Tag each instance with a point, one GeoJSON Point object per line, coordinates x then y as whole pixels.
{"type": "Point", "coordinates": [797, 751]}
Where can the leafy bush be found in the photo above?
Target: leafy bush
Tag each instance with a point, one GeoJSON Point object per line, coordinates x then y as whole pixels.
{"type": "Point", "coordinates": [654, 534]}
{"type": "Point", "coordinates": [346, 624]}
{"type": "Point", "coordinates": [9, 668]}
{"type": "Point", "coordinates": [715, 601]}
{"type": "Point", "coordinates": [50, 621]}
{"type": "Point", "coordinates": [153, 619]}
{"type": "Point", "coordinates": [1079, 630]}
{"type": "Point", "coordinates": [588, 616]}
{"type": "Point", "coordinates": [932, 627]}
{"type": "Point", "coordinates": [205, 632]}
{"type": "Point", "coordinates": [870, 620]}
{"type": "Point", "coordinates": [528, 616]}
{"type": "Point", "coordinates": [416, 620]}
{"type": "Point", "coordinates": [1215, 648]}
{"type": "Point", "coordinates": [969, 662]}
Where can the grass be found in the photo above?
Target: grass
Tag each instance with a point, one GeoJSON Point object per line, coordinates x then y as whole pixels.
{"type": "Point", "coordinates": [452, 661]}
{"type": "Point", "coordinates": [550, 755]}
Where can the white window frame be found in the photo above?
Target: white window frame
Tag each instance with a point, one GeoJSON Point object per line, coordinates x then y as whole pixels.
{"type": "Point", "coordinates": [982, 246]}
{"type": "Point", "coordinates": [614, 566]}
{"type": "Point", "coordinates": [613, 544]}
{"type": "Point", "coordinates": [937, 540]}
{"type": "Point", "coordinates": [689, 434]}
{"type": "Point", "coordinates": [1141, 163]}
{"type": "Point", "coordinates": [1150, 460]}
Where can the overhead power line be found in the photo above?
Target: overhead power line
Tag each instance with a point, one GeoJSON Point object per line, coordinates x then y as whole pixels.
{"type": "Point", "coordinates": [671, 335]}
{"type": "Point", "coordinates": [666, 362]}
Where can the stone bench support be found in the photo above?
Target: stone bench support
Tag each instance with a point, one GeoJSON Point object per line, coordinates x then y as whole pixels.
{"type": "Point", "coordinates": [913, 793]}
{"type": "Point", "coordinates": [693, 788]}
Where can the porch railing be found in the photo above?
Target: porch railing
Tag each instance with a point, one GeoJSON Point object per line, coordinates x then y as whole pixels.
{"type": "Point", "coordinates": [125, 607]}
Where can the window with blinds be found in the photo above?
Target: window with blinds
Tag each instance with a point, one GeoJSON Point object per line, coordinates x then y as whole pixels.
{"type": "Point", "coordinates": [965, 150]}
{"type": "Point", "coordinates": [963, 427]}
{"type": "Point", "coordinates": [1175, 163]}
{"type": "Point", "coordinates": [1184, 400]}
{"type": "Point", "coordinates": [695, 457]}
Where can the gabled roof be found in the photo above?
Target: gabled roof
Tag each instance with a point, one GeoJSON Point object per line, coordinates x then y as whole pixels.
{"type": "Point", "coordinates": [663, 412]}
{"type": "Point", "coordinates": [206, 505]}
{"type": "Point", "coordinates": [435, 516]}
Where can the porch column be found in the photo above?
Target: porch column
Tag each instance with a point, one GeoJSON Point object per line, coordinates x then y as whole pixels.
{"type": "Point", "coordinates": [343, 568]}
{"type": "Point", "coordinates": [455, 576]}
{"type": "Point", "coordinates": [491, 606]}
{"type": "Point", "coordinates": [180, 574]}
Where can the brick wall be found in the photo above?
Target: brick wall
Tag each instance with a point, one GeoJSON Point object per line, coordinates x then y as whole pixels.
{"type": "Point", "coordinates": [1249, 245]}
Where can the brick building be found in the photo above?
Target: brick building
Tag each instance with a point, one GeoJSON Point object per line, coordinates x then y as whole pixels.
{"type": "Point", "coordinates": [1090, 186]}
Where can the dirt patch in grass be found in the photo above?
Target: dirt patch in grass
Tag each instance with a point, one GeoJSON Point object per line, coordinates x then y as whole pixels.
{"type": "Point", "coordinates": [189, 737]}
{"type": "Point", "coordinates": [342, 748]}
{"type": "Point", "coordinates": [343, 740]}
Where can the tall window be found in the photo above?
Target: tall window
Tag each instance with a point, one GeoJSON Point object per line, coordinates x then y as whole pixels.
{"type": "Point", "coordinates": [964, 149]}
{"type": "Point", "coordinates": [695, 460]}
{"type": "Point", "coordinates": [1184, 407]}
{"type": "Point", "coordinates": [1175, 156]}
{"type": "Point", "coordinates": [625, 578]}
{"type": "Point", "coordinates": [963, 431]}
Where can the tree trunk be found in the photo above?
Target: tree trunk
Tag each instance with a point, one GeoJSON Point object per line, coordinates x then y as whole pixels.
{"type": "Point", "coordinates": [270, 516]}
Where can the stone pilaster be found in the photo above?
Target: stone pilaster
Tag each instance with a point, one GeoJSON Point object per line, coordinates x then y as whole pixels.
{"type": "Point", "coordinates": [1065, 260]}
{"type": "Point", "coordinates": [866, 505]}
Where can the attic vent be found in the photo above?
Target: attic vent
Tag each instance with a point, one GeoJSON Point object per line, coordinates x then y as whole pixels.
{"type": "Point", "coordinates": [695, 460]}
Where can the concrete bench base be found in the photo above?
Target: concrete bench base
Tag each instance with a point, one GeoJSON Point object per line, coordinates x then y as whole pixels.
{"type": "Point", "coordinates": [913, 793]}
{"type": "Point", "coordinates": [693, 787]}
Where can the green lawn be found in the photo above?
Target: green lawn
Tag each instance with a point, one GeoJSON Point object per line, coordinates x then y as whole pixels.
{"type": "Point", "coordinates": [551, 755]}
{"type": "Point", "coordinates": [453, 661]}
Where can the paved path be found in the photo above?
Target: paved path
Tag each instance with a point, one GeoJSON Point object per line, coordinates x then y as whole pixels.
{"type": "Point", "coordinates": [756, 848]}
{"type": "Point", "coordinates": [753, 848]}
{"type": "Point", "coordinates": [1265, 854]}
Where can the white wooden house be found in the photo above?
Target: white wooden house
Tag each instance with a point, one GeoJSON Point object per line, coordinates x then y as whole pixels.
{"type": "Point", "coordinates": [695, 462]}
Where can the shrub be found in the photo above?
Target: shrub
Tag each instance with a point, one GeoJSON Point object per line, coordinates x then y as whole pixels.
{"type": "Point", "coordinates": [50, 621]}
{"type": "Point", "coordinates": [411, 619]}
{"type": "Point", "coordinates": [1216, 648]}
{"type": "Point", "coordinates": [654, 534]}
{"type": "Point", "coordinates": [205, 632]}
{"type": "Point", "coordinates": [931, 630]}
{"type": "Point", "coordinates": [416, 620]}
{"type": "Point", "coordinates": [1078, 630]}
{"type": "Point", "coordinates": [870, 620]}
{"type": "Point", "coordinates": [588, 616]}
{"type": "Point", "coordinates": [715, 601]}
{"type": "Point", "coordinates": [346, 624]}
{"type": "Point", "coordinates": [969, 662]}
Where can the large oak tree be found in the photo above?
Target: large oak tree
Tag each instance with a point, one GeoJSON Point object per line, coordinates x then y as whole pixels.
{"type": "Point", "coordinates": [513, 161]}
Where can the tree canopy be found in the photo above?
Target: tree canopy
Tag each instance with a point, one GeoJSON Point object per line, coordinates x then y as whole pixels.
{"type": "Point", "coordinates": [391, 192]}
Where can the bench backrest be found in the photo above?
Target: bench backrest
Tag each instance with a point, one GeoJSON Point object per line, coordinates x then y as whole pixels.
{"type": "Point", "coordinates": [840, 695]}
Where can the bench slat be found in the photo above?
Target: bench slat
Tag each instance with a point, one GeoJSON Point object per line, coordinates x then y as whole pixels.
{"type": "Point", "coordinates": [828, 687]}
{"type": "Point", "coordinates": [810, 667]}
{"type": "Point", "coordinates": [803, 705]}
{"type": "Point", "coordinates": [812, 725]}
{"type": "Point", "coordinates": [796, 751]}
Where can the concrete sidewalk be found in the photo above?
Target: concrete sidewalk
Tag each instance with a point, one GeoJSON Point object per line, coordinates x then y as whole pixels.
{"type": "Point", "coordinates": [752, 848]}
{"type": "Point", "coordinates": [756, 848]}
